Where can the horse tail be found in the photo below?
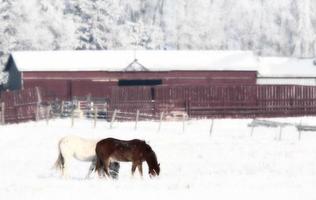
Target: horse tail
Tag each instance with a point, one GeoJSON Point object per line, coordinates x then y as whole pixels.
{"type": "Point", "coordinates": [59, 164]}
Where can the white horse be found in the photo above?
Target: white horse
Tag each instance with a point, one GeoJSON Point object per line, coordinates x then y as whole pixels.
{"type": "Point", "coordinates": [82, 149]}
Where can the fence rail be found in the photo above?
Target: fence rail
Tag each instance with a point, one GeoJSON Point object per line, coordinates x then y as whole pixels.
{"type": "Point", "coordinates": [195, 101]}
{"type": "Point", "coordinates": [219, 101]}
{"type": "Point", "coordinates": [20, 106]}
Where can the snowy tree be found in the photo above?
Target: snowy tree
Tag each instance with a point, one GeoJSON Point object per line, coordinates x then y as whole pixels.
{"type": "Point", "coordinates": [7, 29]}
{"type": "Point", "coordinates": [305, 42]}
{"type": "Point", "coordinates": [267, 27]}
{"type": "Point", "coordinates": [43, 26]}
{"type": "Point", "coordinates": [111, 25]}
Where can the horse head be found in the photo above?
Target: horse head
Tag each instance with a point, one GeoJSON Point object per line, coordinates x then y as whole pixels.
{"type": "Point", "coordinates": [154, 170]}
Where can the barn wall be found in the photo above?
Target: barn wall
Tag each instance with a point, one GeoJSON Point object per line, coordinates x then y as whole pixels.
{"type": "Point", "coordinates": [102, 75]}
{"type": "Point", "coordinates": [53, 89]}
{"type": "Point", "coordinates": [66, 85]}
{"type": "Point", "coordinates": [168, 77]}
{"type": "Point", "coordinates": [92, 88]}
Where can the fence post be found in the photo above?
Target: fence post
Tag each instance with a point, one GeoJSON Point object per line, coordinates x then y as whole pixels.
{"type": "Point", "coordinates": [39, 100]}
{"type": "Point", "coordinates": [161, 117]}
{"type": "Point", "coordinates": [38, 94]}
{"type": "Point", "coordinates": [47, 116]}
{"type": "Point", "coordinates": [280, 132]}
{"type": "Point", "coordinates": [252, 127]}
{"type": "Point", "coordinates": [62, 107]}
{"type": "Point", "coordinates": [136, 120]}
{"type": "Point", "coordinates": [299, 130]}
{"type": "Point", "coordinates": [212, 125]}
{"type": "Point", "coordinates": [113, 118]}
{"type": "Point", "coordinates": [183, 122]}
{"type": "Point", "coordinates": [37, 112]}
{"type": "Point", "coordinates": [186, 106]}
{"type": "Point", "coordinates": [72, 119]}
{"type": "Point", "coordinates": [78, 105]}
{"type": "Point", "coordinates": [2, 113]}
{"type": "Point", "coordinates": [299, 135]}
{"type": "Point", "coordinates": [252, 130]}
{"type": "Point", "coordinates": [95, 116]}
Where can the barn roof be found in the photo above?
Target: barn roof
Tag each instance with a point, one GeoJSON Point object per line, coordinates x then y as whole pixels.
{"type": "Point", "coordinates": [286, 67]}
{"type": "Point", "coordinates": [118, 60]}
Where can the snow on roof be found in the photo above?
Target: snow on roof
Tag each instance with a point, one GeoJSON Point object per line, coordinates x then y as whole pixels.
{"type": "Point", "coordinates": [118, 60]}
{"type": "Point", "coordinates": [286, 67]}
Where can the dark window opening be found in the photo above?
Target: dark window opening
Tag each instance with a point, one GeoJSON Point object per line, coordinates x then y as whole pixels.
{"type": "Point", "coordinates": [139, 82]}
{"type": "Point", "coordinates": [152, 92]}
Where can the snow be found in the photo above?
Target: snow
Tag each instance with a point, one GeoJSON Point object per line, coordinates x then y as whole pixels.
{"type": "Point", "coordinates": [229, 164]}
{"type": "Point", "coordinates": [118, 60]}
{"type": "Point", "coordinates": [157, 60]}
{"type": "Point", "coordinates": [286, 67]}
{"type": "Point", "coordinates": [311, 81]}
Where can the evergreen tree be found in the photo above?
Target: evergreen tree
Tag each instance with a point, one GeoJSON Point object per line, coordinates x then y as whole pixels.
{"type": "Point", "coordinates": [268, 27]}
{"type": "Point", "coordinates": [7, 30]}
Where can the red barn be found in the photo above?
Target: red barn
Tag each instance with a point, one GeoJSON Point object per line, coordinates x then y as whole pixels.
{"type": "Point", "coordinates": [200, 83]}
{"type": "Point", "coordinates": [66, 74]}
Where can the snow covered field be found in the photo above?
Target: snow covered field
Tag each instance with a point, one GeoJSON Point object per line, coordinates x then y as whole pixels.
{"type": "Point", "coordinates": [230, 164]}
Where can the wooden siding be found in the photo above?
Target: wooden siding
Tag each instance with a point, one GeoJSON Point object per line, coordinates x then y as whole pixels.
{"type": "Point", "coordinates": [248, 77]}
{"type": "Point", "coordinates": [197, 101]}
{"type": "Point", "coordinates": [21, 105]}
{"type": "Point", "coordinates": [66, 85]}
{"type": "Point", "coordinates": [53, 89]}
{"type": "Point", "coordinates": [219, 101]}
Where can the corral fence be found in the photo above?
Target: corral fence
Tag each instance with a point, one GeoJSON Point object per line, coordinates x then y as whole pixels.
{"type": "Point", "coordinates": [217, 101]}
{"type": "Point", "coordinates": [23, 105]}
{"type": "Point", "coordinates": [164, 102]}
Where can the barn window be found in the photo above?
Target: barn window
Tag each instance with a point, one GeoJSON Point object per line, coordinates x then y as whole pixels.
{"type": "Point", "coordinates": [140, 82]}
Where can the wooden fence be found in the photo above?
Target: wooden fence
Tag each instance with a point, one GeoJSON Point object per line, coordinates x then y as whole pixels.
{"type": "Point", "coordinates": [19, 106]}
{"type": "Point", "coordinates": [195, 101]}
{"type": "Point", "coordinates": [218, 101]}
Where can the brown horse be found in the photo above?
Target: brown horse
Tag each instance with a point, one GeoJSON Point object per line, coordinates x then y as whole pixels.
{"type": "Point", "coordinates": [135, 151]}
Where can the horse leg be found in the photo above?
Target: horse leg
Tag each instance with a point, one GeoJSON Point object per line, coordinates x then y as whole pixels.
{"type": "Point", "coordinates": [65, 173]}
{"type": "Point", "coordinates": [99, 166]}
{"type": "Point", "coordinates": [91, 168]}
{"type": "Point", "coordinates": [106, 166]}
{"type": "Point", "coordinates": [134, 165]}
{"type": "Point", "coordinates": [114, 169]}
{"type": "Point", "coordinates": [140, 169]}
{"type": "Point", "coordinates": [67, 155]}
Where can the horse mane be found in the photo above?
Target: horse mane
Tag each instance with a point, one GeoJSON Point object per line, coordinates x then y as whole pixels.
{"type": "Point", "coordinates": [150, 155]}
{"type": "Point", "coordinates": [147, 147]}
